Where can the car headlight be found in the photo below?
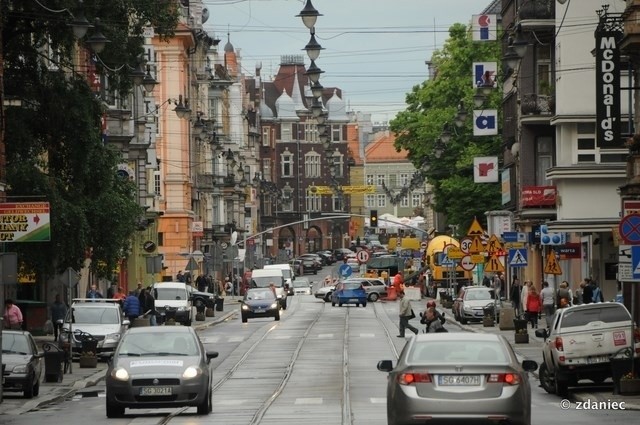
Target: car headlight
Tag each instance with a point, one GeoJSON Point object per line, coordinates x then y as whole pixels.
{"type": "Point", "coordinates": [120, 374]}
{"type": "Point", "coordinates": [112, 338]}
{"type": "Point", "coordinates": [245, 307]}
{"type": "Point", "coordinates": [20, 368]}
{"type": "Point", "coordinates": [191, 372]}
{"type": "Point", "coordinates": [467, 308]}
{"type": "Point", "coordinates": [274, 305]}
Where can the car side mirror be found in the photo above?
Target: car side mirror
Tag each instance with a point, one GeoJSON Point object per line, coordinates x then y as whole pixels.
{"type": "Point", "coordinates": [542, 333]}
{"type": "Point", "coordinates": [126, 322]}
{"type": "Point", "coordinates": [240, 301]}
{"type": "Point", "coordinates": [385, 365]}
{"type": "Point", "coordinates": [211, 355]}
{"type": "Point", "coordinates": [529, 365]}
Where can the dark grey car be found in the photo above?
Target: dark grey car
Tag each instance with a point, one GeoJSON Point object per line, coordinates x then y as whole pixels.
{"type": "Point", "coordinates": [22, 362]}
{"type": "Point", "coordinates": [159, 366]}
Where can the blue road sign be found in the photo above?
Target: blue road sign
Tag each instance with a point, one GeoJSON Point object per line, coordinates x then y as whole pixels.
{"type": "Point", "coordinates": [447, 262]}
{"type": "Point", "coordinates": [345, 270]}
{"type": "Point", "coordinates": [635, 261]}
{"type": "Point", "coordinates": [517, 258]}
{"type": "Point", "coordinates": [510, 236]}
{"type": "Point", "coordinates": [629, 228]}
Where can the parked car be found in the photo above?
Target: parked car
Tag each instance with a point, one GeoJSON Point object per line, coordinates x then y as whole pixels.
{"type": "Point", "coordinates": [159, 367]}
{"type": "Point", "coordinates": [200, 298]}
{"type": "Point", "coordinates": [23, 363]}
{"type": "Point", "coordinates": [302, 286]}
{"type": "Point", "coordinates": [324, 292]}
{"type": "Point", "coordinates": [458, 377]}
{"type": "Point", "coordinates": [349, 293]}
{"type": "Point", "coordinates": [305, 265]}
{"type": "Point", "coordinates": [581, 343]}
{"type": "Point", "coordinates": [316, 257]}
{"type": "Point", "coordinates": [340, 253]}
{"type": "Point", "coordinates": [259, 302]}
{"type": "Point", "coordinates": [473, 301]}
{"type": "Point", "coordinates": [375, 288]}
{"type": "Point", "coordinates": [101, 318]}
{"type": "Point", "coordinates": [327, 257]}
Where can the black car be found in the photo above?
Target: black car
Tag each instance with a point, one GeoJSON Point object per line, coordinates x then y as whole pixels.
{"type": "Point", "coordinates": [259, 302]}
{"type": "Point", "coordinates": [199, 298]}
{"type": "Point", "coordinates": [305, 265]}
{"type": "Point", "coordinates": [23, 363]}
{"type": "Point", "coordinates": [327, 256]}
{"type": "Point", "coordinates": [341, 253]}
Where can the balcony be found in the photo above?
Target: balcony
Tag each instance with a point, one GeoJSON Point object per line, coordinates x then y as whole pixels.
{"type": "Point", "coordinates": [631, 19]}
{"type": "Point", "coordinates": [537, 104]}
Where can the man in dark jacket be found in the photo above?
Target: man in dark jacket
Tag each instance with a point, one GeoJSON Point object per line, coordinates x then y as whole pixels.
{"type": "Point", "coordinates": [433, 323]}
{"type": "Point", "coordinates": [587, 291]}
{"type": "Point", "coordinates": [131, 307]}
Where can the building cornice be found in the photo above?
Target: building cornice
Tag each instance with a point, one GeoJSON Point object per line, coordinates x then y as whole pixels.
{"type": "Point", "coordinates": [595, 171]}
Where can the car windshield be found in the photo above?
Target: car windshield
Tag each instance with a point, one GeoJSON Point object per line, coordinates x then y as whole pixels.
{"type": "Point", "coordinates": [606, 314]}
{"type": "Point", "coordinates": [351, 286]}
{"type": "Point", "coordinates": [170, 294]}
{"type": "Point", "coordinates": [260, 294]}
{"type": "Point", "coordinates": [158, 344]}
{"type": "Point", "coordinates": [95, 315]}
{"type": "Point", "coordinates": [478, 295]}
{"type": "Point", "coordinates": [457, 352]}
{"type": "Point", "coordinates": [15, 344]}
{"type": "Point", "coordinates": [299, 283]}
{"type": "Point", "coordinates": [263, 282]}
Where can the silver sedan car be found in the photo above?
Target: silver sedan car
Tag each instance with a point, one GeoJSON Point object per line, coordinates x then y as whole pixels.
{"type": "Point", "coordinates": [159, 366]}
{"type": "Point", "coordinates": [458, 376]}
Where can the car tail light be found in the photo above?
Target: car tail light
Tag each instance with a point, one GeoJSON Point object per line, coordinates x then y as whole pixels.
{"type": "Point", "coordinates": [414, 378]}
{"type": "Point", "coordinates": [505, 378]}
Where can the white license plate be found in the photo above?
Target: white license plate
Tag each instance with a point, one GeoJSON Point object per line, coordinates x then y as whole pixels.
{"type": "Point", "coordinates": [259, 310]}
{"type": "Point", "coordinates": [155, 391]}
{"type": "Point", "coordinates": [452, 380]}
{"type": "Point", "coordinates": [597, 359]}
{"type": "Point", "coordinates": [354, 300]}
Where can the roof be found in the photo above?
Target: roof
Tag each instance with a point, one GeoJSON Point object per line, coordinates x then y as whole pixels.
{"type": "Point", "coordinates": [383, 150]}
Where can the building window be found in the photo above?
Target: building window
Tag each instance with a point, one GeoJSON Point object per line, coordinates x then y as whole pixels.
{"type": "Point", "coordinates": [266, 136]}
{"type": "Point", "coordinates": [543, 69]}
{"type": "Point", "coordinates": [416, 200]}
{"type": "Point", "coordinates": [338, 164]}
{"type": "Point", "coordinates": [369, 179]}
{"type": "Point", "coordinates": [266, 169]}
{"type": "Point", "coordinates": [157, 187]}
{"type": "Point", "coordinates": [312, 165]}
{"type": "Point", "coordinates": [337, 202]}
{"type": "Point", "coordinates": [314, 202]}
{"type": "Point", "coordinates": [380, 179]}
{"type": "Point", "coordinates": [544, 160]}
{"type": "Point", "coordinates": [370, 201]}
{"type": "Point", "coordinates": [336, 133]}
{"type": "Point", "coordinates": [285, 132]}
{"type": "Point", "coordinates": [310, 132]}
{"type": "Point", "coordinates": [404, 202]}
{"type": "Point", "coordinates": [286, 161]}
{"type": "Point", "coordinates": [287, 204]}
{"type": "Point", "coordinates": [403, 179]}
{"type": "Point", "coordinates": [586, 142]}
{"type": "Point", "coordinates": [381, 200]}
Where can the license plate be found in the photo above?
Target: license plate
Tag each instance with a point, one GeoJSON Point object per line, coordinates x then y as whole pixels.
{"type": "Point", "coordinates": [354, 300]}
{"type": "Point", "coordinates": [259, 310]}
{"type": "Point", "coordinates": [597, 359]}
{"type": "Point", "coordinates": [155, 391]}
{"type": "Point", "coordinates": [453, 380]}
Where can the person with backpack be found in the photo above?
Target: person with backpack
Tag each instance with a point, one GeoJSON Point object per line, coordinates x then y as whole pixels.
{"type": "Point", "coordinates": [131, 306]}
{"type": "Point", "coordinates": [434, 324]}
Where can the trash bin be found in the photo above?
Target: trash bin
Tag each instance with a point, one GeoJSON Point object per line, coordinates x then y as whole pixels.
{"type": "Point", "coordinates": [219, 304]}
{"type": "Point", "coordinates": [53, 360]}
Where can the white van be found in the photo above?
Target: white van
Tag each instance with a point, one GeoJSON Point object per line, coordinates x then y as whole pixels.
{"type": "Point", "coordinates": [261, 278]}
{"type": "Point", "coordinates": [175, 296]}
{"type": "Point", "coordinates": [287, 272]}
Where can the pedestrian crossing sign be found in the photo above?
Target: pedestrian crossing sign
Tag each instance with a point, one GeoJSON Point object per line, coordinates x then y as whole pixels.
{"type": "Point", "coordinates": [635, 261]}
{"type": "Point", "coordinates": [518, 258]}
{"type": "Point", "coordinates": [552, 266]}
{"type": "Point", "coordinates": [493, 265]}
{"type": "Point", "coordinates": [447, 262]}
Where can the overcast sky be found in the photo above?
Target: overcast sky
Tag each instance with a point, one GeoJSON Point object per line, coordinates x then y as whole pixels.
{"type": "Point", "coordinates": [375, 50]}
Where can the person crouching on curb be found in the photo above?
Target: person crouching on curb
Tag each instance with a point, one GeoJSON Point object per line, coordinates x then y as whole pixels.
{"type": "Point", "coordinates": [405, 315]}
{"type": "Point", "coordinates": [431, 320]}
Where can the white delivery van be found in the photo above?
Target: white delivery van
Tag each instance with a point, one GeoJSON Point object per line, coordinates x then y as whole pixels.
{"type": "Point", "coordinates": [174, 296]}
{"type": "Point", "coordinates": [261, 278]}
{"type": "Point", "coordinates": [287, 272]}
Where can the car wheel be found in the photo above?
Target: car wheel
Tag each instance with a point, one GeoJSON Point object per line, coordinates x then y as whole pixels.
{"type": "Point", "coordinates": [373, 297]}
{"type": "Point", "coordinates": [36, 388]}
{"type": "Point", "coordinates": [244, 318]}
{"type": "Point", "coordinates": [545, 379]}
{"type": "Point", "coordinates": [29, 391]}
{"type": "Point", "coordinates": [114, 411]}
{"type": "Point", "coordinates": [277, 316]}
{"type": "Point", "coordinates": [205, 407]}
{"type": "Point", "coordinates": [463, 320]}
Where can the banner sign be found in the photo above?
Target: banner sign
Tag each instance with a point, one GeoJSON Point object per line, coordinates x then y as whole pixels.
{"type": "Point", "coordinates": [538, 196]}
{"type": "Point", "coordinates": [607, 84]}
{"type": "Point", "coordinates": [25, 222]}
{"type": "Point", "coordinates": [484, 27]}
{"type": "Point", "coordinates": [485, 169]}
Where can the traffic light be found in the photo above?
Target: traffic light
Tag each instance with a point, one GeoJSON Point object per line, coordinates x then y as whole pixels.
{"type": "Point", "coordinates": [373, 218]}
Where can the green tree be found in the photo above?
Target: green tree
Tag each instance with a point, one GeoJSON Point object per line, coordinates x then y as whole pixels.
{"type": "Point", "coordinates": [433, 105]}
{"type": "Point", "coordinates": [54, 145]}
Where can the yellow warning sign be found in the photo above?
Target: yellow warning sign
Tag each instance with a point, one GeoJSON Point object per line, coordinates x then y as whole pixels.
{"type": "Point", "coordinates": [493, 265]}
{"type": "Point", "coordinates": [475, 229]}
{"type": "Point", "coordinates": [494, 244]}
{"type": "Point", "coordinates": [455, 253]}
{"type": "Point", "coordinates": [477, 258]}
{"type": "Point", "coordinates": [476, 246]}
{"type": "Point", "coordinates": [552, 266]}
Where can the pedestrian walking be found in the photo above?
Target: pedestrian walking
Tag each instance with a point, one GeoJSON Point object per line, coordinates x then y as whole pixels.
{"type": "Point", "coordinates": [201, 283]}
{"type": "Point", "coordinates": [405, 314]}
{"type": "Point", "coordinates": [548, 299]}
{"type": "Point", "coordinates": [515, 295]}
{"type": "Point", "coordinates": [148, 305]}
{"type": "Point", "coordinates": [58, 313]}
{"type": "Point", "coordinates": [587, 291]}
{"type": "Point", "coordinates": [131, 307]}
{"type": "Point", "coordinates": [180, 276]}
{"type": "Point", "coordinates": [12, 315]}
{"type": "Point", "coordinates": [523, 297]}
{"type": "Point", "coordinates": [596, 293]}
{"type": "Point", "coordinates": [533, 306]}
{"type": "Point", "coordinates": [138, 289]}
{"type": "Point", "coordinates": [564, 296]}
{"type": "Point", "coordinates": [120, 295]}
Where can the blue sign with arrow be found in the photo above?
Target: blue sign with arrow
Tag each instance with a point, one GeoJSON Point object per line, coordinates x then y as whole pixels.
{"type": "Point", "coordinates": [345, 270]}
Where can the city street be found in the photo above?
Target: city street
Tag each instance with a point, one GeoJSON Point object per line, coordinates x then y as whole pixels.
{"type": "Point", "coordinates": [317, 365]}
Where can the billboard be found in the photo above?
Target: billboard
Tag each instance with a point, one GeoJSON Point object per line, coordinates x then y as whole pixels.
{"type": "Point", "coordinates": [25, 222]}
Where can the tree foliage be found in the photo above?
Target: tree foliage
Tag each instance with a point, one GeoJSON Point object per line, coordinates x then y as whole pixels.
{"type": "Point", "coordinates": [54, 145]}
{"type": "Point", "coordinates": [434, 104]}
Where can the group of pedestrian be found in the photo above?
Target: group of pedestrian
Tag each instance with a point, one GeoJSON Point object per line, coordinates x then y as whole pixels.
{"type": "Point", "coordinates": [432, 319]}
{"type": "Point", "coordinates": [142, 304]}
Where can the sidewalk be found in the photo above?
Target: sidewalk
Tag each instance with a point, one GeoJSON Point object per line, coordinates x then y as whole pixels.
{"type": "Point", "coordinates": [14, 403]}
{"type": "Point", "coordinates": [533, 351]}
